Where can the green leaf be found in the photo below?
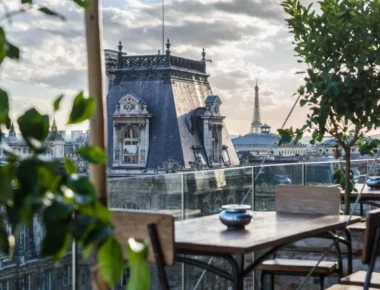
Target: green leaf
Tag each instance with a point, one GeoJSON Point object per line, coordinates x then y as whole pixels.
{"type": "Point", "coordinates": [97, 210]}
{"type": "Point", "coordinates": [70, 166]}
{"type": "Point", "coordinates": [97, 235]}
{"type": "Point", "coordinates": [83, 109]}
{"type": "Point", "coordinates": [303, 103]}
{"type": "Point", "coordinates": [50, 12]}
{"type": "Point", "coordinates": [3, 45]}
{"type": "Point", "coordinates": [58, 211]}
{"type": "Point", "coordinates": [93, 154]}
{"type": "Point", "coordinates": [6, 188]}
{"type": "Point", "coordinates": [84, 189]}
{"type": "Point", "coordinates": [26, 1]}
{"type": "Point", "coordinates": [80, 225]}
{"type": "Point", "coordinates": [140, 278]}
{"type": "Point", "coordinates": [34, 127]}
{"type": "Point", "coordinates": [82, 3]}
{"type": "Point", "coordinates": [111, 262]}
{"type": "Point", "coordinates": [13, 51]}
{"type": "Point", "coordinates": [57, 103]}
{"type": "Point", "coordinates": [4, 109]}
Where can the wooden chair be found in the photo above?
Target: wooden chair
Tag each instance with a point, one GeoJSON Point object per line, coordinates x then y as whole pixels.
{"type": "Point", "coordinates": [299, 199]}
{"type": "Point", "coordinates": [371, 250]}
{"type": "Point", "coordinates": [157, 231]}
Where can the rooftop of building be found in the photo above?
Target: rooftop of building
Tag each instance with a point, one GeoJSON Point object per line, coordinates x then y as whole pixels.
{"type": "Point", "coordinates": [121, 61]}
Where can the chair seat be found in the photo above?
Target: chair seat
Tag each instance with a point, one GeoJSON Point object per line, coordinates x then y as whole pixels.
{"type": "Point", "coordinates": [358, 279]}
{"type": "Point", "coordinates": [358, 227]}
{"type": "Point", "coordinates": [298, 266]}
{"type": "Point", "coordinates": [347, 287]}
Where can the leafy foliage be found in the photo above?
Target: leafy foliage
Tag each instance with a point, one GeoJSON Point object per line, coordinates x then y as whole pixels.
{"type": "Point", "coordinates": [140, 276]}
{"type": "Point", "coordinates": [51, 188]}
{"type": "Point", "coordinates": [340, 47]}
{"type": "Point", "coordinates": [83, 108]}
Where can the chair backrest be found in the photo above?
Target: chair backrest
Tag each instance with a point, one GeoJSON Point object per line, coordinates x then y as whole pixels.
{"type": "Point", "coordinates": [373, 225]}
{"type": "Point", "coordinates": [134, 224]}
{"type": "Point", "coordinates": [308, 199]}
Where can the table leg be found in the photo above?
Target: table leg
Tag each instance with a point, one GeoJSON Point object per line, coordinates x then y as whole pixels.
{"type": "Point", "coordinates": [237, 274]}
{"type": "Point", "coordinates": [349, 251]}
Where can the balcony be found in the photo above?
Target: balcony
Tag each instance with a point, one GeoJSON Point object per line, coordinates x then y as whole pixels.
{"type": "Point", "coordinates": [186, 195]}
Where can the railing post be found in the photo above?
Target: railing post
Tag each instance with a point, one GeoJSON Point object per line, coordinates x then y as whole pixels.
{"type": "Point", "coordinates": [303, 174]}
{"type": "Point", "coordinates": [253, 189]}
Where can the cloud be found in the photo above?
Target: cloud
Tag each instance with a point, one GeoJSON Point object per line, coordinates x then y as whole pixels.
{"type": "Point", "coordinates": [246, 40]}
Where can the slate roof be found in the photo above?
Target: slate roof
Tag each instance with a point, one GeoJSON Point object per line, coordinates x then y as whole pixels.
{"type": "Point", "coordinates": [55, 136]}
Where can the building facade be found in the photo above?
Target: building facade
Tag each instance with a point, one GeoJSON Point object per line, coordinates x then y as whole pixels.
{"type": "Point", "coordinates": [161, 111]}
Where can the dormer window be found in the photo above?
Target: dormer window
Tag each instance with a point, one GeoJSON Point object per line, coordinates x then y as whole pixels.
{"type": "Point", "coordinates": [199, 156]}
{"type": "Point", "coordinates": [225, 156]}
{"type": "Point", "coordinates": [131, 146]}
{"type": "Point", "coordinates": [215, 145]}
{"type": "Point", "coordinates": [131, 133]}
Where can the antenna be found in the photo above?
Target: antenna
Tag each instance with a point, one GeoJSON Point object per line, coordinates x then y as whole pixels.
{"type": "Point", "coordinates": [163, 25]}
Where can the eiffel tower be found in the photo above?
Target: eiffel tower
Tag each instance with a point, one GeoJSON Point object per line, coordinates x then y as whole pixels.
{"type": "Point", "coordinates": [256, 121]}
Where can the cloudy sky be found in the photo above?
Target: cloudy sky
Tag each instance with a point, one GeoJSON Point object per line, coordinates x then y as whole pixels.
{"type": "Point", "coordinates": [246, 40]}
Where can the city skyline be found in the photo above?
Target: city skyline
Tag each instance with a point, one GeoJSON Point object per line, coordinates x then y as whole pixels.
{"type": "Point", "coordinates": [246, 40]}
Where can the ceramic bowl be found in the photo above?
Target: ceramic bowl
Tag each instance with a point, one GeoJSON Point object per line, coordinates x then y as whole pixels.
{"type": "Point", "coordinates": [235, 216]}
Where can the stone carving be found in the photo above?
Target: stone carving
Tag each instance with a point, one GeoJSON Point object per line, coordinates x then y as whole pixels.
{"type": "Point", "coordinates": [163, 61]}
{"type": "Point", "coordinates": [171, 166]}
{"type": "Point", "coordinates": [197, 164]}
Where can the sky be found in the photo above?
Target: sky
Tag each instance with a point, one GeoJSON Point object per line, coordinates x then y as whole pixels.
{"type": "Point", "coordinates": [247, 40]}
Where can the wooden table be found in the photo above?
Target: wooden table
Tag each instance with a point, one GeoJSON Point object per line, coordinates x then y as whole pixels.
{"type": "Point", "coordinates": [207, 236]}
{"type": "Point", "coordinates": [369, 196]}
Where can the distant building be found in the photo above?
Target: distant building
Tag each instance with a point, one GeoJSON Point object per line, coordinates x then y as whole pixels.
{"type": "Point", "coordinates": [76, 134]}
{"type": "Point", "coordinates": [62, 133]}
{"type": "Point", "coordinates": [260, 142]}
{"type": "Point", "coordinates": [162, 114]}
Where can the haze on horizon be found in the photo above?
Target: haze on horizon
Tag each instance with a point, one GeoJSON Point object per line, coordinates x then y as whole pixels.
{"type": "Point", "coordinates": [246, 40]}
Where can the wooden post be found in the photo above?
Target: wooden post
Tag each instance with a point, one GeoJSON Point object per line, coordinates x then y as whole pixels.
{"type": "Point", "coordinates": [95, 59]}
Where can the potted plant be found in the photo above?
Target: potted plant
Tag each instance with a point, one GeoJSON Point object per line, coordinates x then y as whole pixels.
{"type": "Point", "coordinates": [339, 46]}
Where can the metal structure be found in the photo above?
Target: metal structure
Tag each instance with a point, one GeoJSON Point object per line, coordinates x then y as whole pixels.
{"type": "Point", "coordinates": [256, 122]}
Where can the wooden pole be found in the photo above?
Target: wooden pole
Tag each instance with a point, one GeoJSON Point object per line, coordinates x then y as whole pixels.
{"type": "Point", "coordinates": [95, 59]}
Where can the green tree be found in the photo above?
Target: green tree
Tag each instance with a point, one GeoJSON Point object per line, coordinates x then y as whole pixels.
{"type": "Point", "coordinates": [51, 188]}
{"type": "Point", "coordinates": [340, 45]}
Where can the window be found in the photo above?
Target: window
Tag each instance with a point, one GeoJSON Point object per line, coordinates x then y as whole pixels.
{"type": "Point", "coordinates": [66, 275]}
{"type": "Point", "coordinates": [215, 145]}
{"type": "Point", "coordinates": [4, 285]}
{"type": "Point", "coordinates": [45, 281]}
{"type": "Point", "coordinates": [198, 153]}
{"type": "Point", "coordinates": [131, 146]}
{"type": "Point", "coordinates": [25, 282]}
{"type": "Point", "coordinates": [131, 205]}
{"type": "Point", "coordinates": [21, 238]}
{"type": "Point", "coordinates": [226, 157]}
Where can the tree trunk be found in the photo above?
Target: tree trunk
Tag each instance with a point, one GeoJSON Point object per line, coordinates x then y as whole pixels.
{"type": "Point", "coordinates": [347, 187]}
{"type": "Point", "coordinates": [95, 63]}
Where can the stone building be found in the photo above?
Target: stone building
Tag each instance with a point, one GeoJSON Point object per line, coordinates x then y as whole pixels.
{"type": "Point", "coordinates": [161, 110]}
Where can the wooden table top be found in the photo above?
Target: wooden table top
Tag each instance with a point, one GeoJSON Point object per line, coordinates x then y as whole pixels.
{"type": "Point", "coordinates": [266, 230]}
{"type": "Point", "coordinates": [367, 194]}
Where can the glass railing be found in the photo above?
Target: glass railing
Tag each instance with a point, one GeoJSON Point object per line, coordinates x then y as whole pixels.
{"type": "Point", "coordinates": [185, 195]}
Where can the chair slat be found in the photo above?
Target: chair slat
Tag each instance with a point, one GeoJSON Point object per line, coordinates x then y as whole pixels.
{"type": "Point", "coordinates": [373, 223]}
{"type": "Point", "coordinates": [134, 224]}
{"type": "Point", "coordinates": [301, 199]}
